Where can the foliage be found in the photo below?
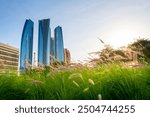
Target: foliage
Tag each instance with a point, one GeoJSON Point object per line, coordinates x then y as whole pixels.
{"type": "Point", "coordinates": [111, 81]}
{"type": "Point", "coordinates": [108, 54]}
{"type": "Point", "coordinates": [142, 46]}
{"type": "Point", "coordinates": [136, 51]}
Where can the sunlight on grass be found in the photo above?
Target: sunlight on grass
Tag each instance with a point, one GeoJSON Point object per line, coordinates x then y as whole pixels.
{"type": "Point", "coordinates": [107, 81]}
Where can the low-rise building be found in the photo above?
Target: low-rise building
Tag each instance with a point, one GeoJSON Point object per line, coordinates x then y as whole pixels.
{"type": "Point", "coordinates": [67, 56]}
{"type": "Point", "coordinates": [9, 57]}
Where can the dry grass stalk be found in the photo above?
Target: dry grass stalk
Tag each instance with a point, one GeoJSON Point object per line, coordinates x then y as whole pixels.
{"type": "Point", "coordinates": [75, 75]}
{"type": "Point", "coordinates": [35, 81]}
{"type": "Point", "coordinates": [86, 89]}
{"type": "Point", "coordinates": [26, 91]}
{"type": "Point", "coordinates": [75, 83]}
{"type": "Point", "coordinates": [91, 81]}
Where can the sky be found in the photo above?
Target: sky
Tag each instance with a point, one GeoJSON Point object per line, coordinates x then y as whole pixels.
{"type": "Point", "coordinates": [116, 22]}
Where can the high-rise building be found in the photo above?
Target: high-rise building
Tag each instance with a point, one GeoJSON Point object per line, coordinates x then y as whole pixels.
{"type": "Point", "coordinates": [52, 50]}
{"type": "Point", "coordinates": [26, 45]}
{"type": "Point", "coordinates": [59, 46]}
{"type": "Point", "coordinates": [67, 56]}
{"type": "Point", "coordinates": [44, 42]}
{"type": "Point", "coordinates": [8, 57]}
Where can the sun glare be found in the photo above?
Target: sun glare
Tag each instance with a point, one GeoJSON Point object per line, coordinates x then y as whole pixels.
{"type": "Point", "coordinates": [118, 38]}
{"type": "Point", "coordinates": [122, 38]}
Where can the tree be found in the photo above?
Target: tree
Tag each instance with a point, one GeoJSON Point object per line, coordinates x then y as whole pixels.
{"type": "Point", "coordinates": [142, 46]}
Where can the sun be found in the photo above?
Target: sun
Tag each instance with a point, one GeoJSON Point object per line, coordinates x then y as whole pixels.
{"type": "Point", "coordinates": [121, 34]}
{"type": "Point", "coordinates": [122, 37]}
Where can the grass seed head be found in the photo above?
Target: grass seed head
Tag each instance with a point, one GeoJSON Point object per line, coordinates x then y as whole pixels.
{"type": "Point", "coordinates": [75, 75]}
{"type": "Point", "coordinates": [91, 81]}
{"type": "Point", "coordinates": [26, 91]}
{"type": "Point", "coordinates": [37, 82]}
{"type": "Point", "coordinates": [75, 83]}
{"type": "Point", "coordinates": [86, 89]}
{"type": "Point", "coordinates": [99, 97]}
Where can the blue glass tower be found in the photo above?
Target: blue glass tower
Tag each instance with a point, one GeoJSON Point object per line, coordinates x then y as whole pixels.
{"type": "Point", "coordinates": [26, 45]}
{"type": "Point", "coordinates": [52, 50]}
{"type": "Point", "coordinates": [59, 46]}
{"type": "Point", "coordinates": [44, 42]}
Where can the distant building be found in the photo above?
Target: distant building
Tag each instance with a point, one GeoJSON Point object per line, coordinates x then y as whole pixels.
{"type": "Point", "coordinates": [59, 45]}
{"type": "Point", "coordinates": [8, 57]}
{"type": "Point", "coordinates": [52, 51]}
{"type": "Point", "coordinates": [26, 47]}
{"type": "Point", "coordinates": [67, 56]}
{"type": "Point", "coordinates": [44, 36]}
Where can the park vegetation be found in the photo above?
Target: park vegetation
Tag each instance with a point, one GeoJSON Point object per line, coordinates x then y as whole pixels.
{"type": "Point", "coordinates": [116, 74]}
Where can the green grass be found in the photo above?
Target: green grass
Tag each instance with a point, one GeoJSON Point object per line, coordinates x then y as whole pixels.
{"type": "Point", "coordinates": [112, 81]}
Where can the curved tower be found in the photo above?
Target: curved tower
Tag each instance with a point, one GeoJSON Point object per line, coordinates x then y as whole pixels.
{"type": "Point", "coordinates": [26, 47]}
{"type": "Point", "coordinates": [59, 45]}
{"type": "Point", "coordinates": [44, 42]}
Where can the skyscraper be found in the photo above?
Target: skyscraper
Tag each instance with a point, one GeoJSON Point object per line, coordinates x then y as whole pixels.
{"type": "Point", "coordinates": [59, 46]}
{"type": "Point", "coordinates": [26, 45]}
{"type": "Point", "coordinates": [52, 50]}
{"type": "Point", "coordinates": [44, 42]}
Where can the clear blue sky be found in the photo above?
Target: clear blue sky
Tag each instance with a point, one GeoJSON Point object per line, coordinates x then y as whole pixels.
{"type": "Point", "coordinates": [117, 22]}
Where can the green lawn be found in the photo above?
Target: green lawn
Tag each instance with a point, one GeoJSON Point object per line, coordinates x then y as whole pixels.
{"type": "Point", "coordinates": [111, 81]}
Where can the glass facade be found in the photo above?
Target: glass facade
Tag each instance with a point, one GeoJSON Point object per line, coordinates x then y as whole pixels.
{"type": "Point", "coordinates": [52, 50]}
{"type": "Point", "coordinates": [59, 46]}
{"type": "Point", "coordinates": [44, 35]}
{"type": "Point", "coordinates": [26, 45]}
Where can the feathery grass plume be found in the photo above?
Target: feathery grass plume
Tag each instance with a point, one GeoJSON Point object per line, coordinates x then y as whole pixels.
{"type": "Point", "coordinates": [118, 57]}
{"type": "Point", "coordinates": [37, 82]}
{"type": "Point", "coordinates": [91, 81]}
{"type": "Point", "coordinates": [51, 67]}
{"type": "Point", "coordinates": [101, 40]}
{"type": "Point", "coordinates": [99, 97]}
{"type": "Point", "coordinates": [41, 66]}
{"type": "Point", "coordinates": [86, 89]}
{"type": "Point", "coordinates": [75, 83]}
{"type": "Point", "coordinates": [75, 75]}
{"type": "Point", "coordinates": [26, 91]}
